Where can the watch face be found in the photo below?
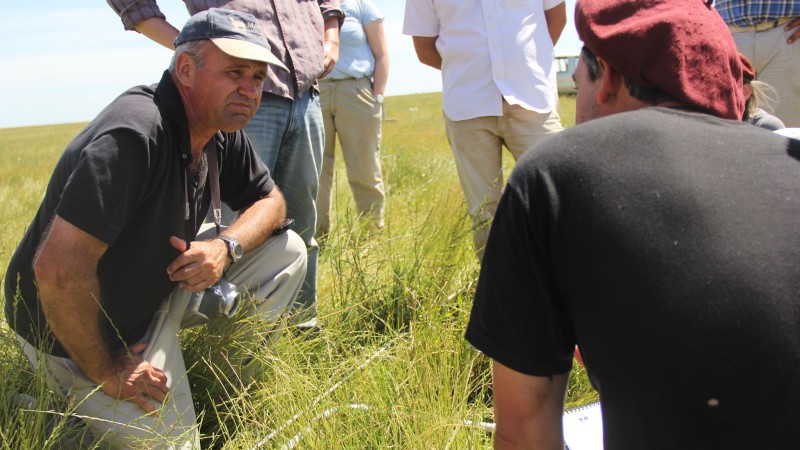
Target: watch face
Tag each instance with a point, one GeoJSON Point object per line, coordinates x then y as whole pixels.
{"type": "Point", "coordinates": [236, 250]}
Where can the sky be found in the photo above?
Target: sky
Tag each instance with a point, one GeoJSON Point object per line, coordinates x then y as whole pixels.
{"type": "Point", "coordinates": [64, 61]}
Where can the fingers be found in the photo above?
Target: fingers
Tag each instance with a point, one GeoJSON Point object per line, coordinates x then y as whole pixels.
{"type": "Point", "coordinates": [157, 390]}
{"type": "Point", "coordinates": [178, 243]}
{"type": "Point", "coordinates": [191, 273]}
{"type": "Point", "coordinates": [142, 402]}
{"type": "Point", "coordinates": [137, 348]}
{"type": "Point", "coordinates": [198, 268]}
{"type": "Point", "coordinates": [328, 69]}
{"type": "Point", "coordinates": [198, 285]}
{"type": "Point", "coordinates": [796, 35]}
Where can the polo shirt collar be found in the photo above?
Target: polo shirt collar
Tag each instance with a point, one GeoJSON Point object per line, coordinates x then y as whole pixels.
{"type": "Point", "coordinates": [171, 106]}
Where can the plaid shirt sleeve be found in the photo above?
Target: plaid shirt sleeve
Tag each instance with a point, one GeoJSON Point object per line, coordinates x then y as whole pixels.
{"type": "Point", "coordinates": [748, 13]}
{"type": "Point", "coordinates": [134, 11]}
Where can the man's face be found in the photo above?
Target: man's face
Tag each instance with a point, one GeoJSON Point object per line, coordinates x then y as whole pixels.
{"type": "Point", "coordinates": [227, 90]}
{"type": "Point", "coordinates": [586, 107]}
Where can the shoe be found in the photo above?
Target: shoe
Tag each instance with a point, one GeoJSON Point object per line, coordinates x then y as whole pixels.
{"type": "Point", "coordinates": [308, 329]}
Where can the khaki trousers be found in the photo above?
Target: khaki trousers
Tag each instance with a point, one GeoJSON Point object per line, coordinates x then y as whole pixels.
{"type": "Point", "coordinates": [477, 146]}
{"type": "Point", "coordinates": [350, 110]}
{"type": "Point", "coordinates": [271, 275]}
{"type": "Point", "coordinates": [776, 64]}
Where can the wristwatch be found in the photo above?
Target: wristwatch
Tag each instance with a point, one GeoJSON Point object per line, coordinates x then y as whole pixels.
{"type": "Point", "coordinates": [379, 98]}
{"type": "Point", "coordinates": [234, 248]}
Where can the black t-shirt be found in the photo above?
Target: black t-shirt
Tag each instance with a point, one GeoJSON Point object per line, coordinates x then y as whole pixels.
{"type": "Point", "coordinates": [667, 245]}
{"type": "Point", "coordinates": [121, 180]}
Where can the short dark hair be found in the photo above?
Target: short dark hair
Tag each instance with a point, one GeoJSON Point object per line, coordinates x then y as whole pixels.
{"type": "Point", "coordinates": [649, 95]}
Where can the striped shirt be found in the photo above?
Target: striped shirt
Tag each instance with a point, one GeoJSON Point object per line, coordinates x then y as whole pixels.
{"type": "Point", "coordinates": [746, 13]}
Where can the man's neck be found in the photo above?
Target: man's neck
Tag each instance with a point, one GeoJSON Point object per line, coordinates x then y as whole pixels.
{"type": "Point", "coordinates": [198, 144]}
{"type": "Point", "coordinates": [199, 133]}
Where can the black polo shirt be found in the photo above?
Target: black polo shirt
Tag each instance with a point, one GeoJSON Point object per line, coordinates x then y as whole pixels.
{"type": "Point", "coordinates": [122, 181]}
{"type": "Point", "coordinates": [665, 244]}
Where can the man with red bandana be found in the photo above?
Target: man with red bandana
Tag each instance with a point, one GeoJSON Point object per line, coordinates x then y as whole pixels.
{"type": "Point", "coordinates": [659, 235]}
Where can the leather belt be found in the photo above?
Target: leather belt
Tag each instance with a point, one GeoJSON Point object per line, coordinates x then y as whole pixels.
{"type": "Point", "coordinates": [761, 26]}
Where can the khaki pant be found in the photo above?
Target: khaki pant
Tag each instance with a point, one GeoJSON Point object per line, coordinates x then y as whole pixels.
{"type": "Point", "coordinates": [270, 274]}
{"type": "Point", "coordinates": [349, 110]}
{"type": "Point", "coordinates": [776, 64]}
{"type": "Point", "coordinates": [477, 146]}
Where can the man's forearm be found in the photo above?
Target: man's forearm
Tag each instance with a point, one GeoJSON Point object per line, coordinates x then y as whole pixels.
{"type": "Point", "coordinates": [331, 45]}
{"type": "Point", "coordinates": [73, 314]}
{"type": "Point", "coordinates": [427, 53]}
{"type": "Point", "coordinates": [256, 223]}
{"type": "Point", "coordinates": [69, 291]}
{"type": "Point", "coordinates": [159, 30]}
{"type": "Point", "coordinates": [556, 19]}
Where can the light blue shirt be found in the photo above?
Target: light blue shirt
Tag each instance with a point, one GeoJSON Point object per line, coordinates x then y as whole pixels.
{"type": "Point", "coordinates": [355, 56]}
{"type": "Point", "coordinates": [748, 13]}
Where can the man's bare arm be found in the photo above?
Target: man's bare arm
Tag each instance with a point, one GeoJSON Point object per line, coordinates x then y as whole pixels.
{"type": "Point", "coordinates": [66, 275]}
{"type": "Point", "coordinates": [205, 261]}
{"type": "Point", "coordinates": [527, 409]}
{"type": "Point", "coordinates": [331, 45]}
{"type": "Point", "coordinates": [556, 18]}
{"type": "Point", "coordinates": [158, 30]}
{"type": "Point", "coordinates": [427, 53]}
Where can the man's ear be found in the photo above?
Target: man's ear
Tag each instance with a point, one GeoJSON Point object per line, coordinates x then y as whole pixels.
{"type": "Point", "coordinates": [185, 68]}
{"type": "Point", "coordinates": [748, 91]}
{"type": "Point", "coordinates": [610, 82]}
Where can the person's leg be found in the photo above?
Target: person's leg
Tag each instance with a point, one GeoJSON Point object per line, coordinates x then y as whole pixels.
{"type": "Point", "coordinates": [358, 121]}
{"type": "Point", "coordinates": [122, 424]}
{"type": "Point", "coordinates": [522, 129]}
{"type": "Point", "coordinates": [477, 147]}
{"type": "Point", "coordinates": [268, 279]}
{"type": "Point", "coordinates": [327, 99]}
{"type": "Point", "coordinates": [289, 137]}
{"type": "Point", "coordinates": [776, 64]}
{"type": "Point", "coordinates": [267, 128]}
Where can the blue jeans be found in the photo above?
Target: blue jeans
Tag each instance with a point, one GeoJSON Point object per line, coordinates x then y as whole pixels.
{"type": "Point", "coordinates": [289, 137]}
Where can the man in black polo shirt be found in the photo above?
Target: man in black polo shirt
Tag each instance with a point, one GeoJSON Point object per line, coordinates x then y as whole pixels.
{"type": "Point", "coordinates": [108, 270]}
{"type": "Point", "coordinates": [660, 235]}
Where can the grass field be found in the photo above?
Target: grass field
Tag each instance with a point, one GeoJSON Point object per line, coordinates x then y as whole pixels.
{"type": "Point", "coordinates": [390, 368]}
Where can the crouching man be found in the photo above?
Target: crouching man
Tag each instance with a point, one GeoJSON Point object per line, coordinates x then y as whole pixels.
{"type": "Point", "coordinates": [660, 234]}
{"type": "Point", "coordinates": [112, 265]}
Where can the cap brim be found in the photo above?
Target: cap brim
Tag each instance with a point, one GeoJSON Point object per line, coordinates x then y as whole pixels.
{"type": "Point", "coordinates": [247, 50]}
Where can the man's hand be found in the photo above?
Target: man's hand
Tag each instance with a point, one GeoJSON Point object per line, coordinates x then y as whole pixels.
{"type": "Point", "coordinates": [136, 380]}
{"type": "Point", "coordinates": [199, 267]}
{"type": "Point", "coordinates": [331, 46]}
{"type": "Point", "coordinates": [796, 35]}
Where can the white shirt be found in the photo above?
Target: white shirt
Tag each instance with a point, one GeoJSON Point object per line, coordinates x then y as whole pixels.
{"type": "Point", "coordinates": [491, 49]}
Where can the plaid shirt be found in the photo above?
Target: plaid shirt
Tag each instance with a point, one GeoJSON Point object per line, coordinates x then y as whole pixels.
{"type": "Point", "coordinates": [293, 28]}
{"type": "Point", "coordinates": [746, 13]}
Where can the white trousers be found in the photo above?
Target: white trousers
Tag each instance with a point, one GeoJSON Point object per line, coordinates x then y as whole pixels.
{"type": "Point", "coordinates": [477, 146]}
{"type": "Point", "coordinates": [776, 64]}
{"type": "Point", "coordinates": [269, 277]}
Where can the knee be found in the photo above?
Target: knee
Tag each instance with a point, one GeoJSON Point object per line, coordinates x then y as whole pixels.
{"type": "Point", "coordinates": [296, 249]}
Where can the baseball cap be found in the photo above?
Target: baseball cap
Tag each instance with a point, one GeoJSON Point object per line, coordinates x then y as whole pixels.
{"type": "Point", "coordinates": [236, 33]}
{"type": "Point", "coordinates": [682, 47]}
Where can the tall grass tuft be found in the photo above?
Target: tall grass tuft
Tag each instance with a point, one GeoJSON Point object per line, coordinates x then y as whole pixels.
{"type": "Point", "coordinates": [390, 367]}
